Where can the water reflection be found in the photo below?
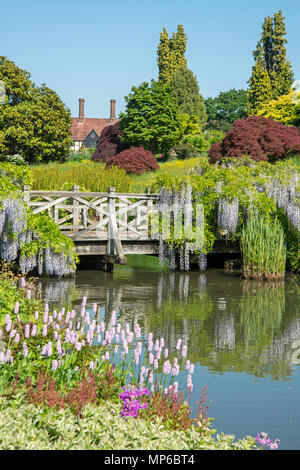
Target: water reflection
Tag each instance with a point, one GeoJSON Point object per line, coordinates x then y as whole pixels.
{"type": "Point", "coordinates": [228, 324]}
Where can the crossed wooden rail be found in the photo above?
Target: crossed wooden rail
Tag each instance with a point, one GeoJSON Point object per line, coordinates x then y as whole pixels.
{"type": "Point", "coordinates": [92, 216]}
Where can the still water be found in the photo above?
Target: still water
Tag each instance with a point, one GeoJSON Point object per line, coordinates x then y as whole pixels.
{"type": "Point", "coordinates": [242, 336]}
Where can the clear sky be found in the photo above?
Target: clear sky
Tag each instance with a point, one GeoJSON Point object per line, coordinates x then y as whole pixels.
{"type": "Point", "coordinates": [98, 50]}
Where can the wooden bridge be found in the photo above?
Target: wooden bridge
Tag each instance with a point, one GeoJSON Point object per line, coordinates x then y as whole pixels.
{"type": "Point", "coordinates": [107, 226]}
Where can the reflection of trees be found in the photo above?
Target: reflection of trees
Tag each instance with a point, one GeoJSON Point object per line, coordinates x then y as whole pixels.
{"type": "Point", "coordinates": [227, 323]}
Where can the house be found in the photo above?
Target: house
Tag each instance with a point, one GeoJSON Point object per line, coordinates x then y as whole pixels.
{"type": "Point", "coordinates": [86, 131]}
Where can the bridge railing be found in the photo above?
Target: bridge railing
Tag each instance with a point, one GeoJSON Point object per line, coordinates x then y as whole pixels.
{"type": "Point", "coordinates": [87, 215]}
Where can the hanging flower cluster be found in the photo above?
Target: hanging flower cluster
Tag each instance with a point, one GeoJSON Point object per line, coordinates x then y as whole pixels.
{"type": "Point", "coordinates": [284, 197]}
{"type": "Point", "coordinates": [16, 237]}
{"type": "Point", "coordinates": [228, 215]}
{"type": "Point", "coordinates": [176, 206]}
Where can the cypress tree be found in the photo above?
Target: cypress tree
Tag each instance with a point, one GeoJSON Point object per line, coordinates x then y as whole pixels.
{"type": "Point", "coordinates": [281, 75]}
{"type": "Point", "coordinates": [171, 54]}
{"type": "Point", "coordinates": [163, 57]}
{"type": "Point", "coordinates": [272, 74]}
{"type": "Point", "coordinates": [185, 89]}
{"type": "Point", "coordinates": [260, 90]}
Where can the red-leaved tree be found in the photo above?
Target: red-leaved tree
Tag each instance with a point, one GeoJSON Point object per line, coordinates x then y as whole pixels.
{"type": "Point", "coordinates": [109, 143]}
{"type": "Point", "coordinates": [134, 160]}
{"type": "Point", "coordinates": [258, 137]}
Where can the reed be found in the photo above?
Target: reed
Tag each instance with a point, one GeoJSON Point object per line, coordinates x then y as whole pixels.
{"type": "Point", "coordinates": [263, 249]}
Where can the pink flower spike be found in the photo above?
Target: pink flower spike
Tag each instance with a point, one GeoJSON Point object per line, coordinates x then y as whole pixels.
{"type": "Point", "coordinates": [27, 332]}
{"type": "Point", "coordinates": [29, 294]}
{"type": "Point", "coordinates": [178, 344]}
{"type": "Point", "coordinates": [36, 315]}
{"type": "Point", "coordinates": [23, 282]}
{"type": "Point", "coordinates": [151, 358]}
{"type": "Point", "coordinates": [166, 352]}
{"type": "Point", "coordinates": [84, 301]}
{"type": "Point", "coordinates": [34, 330]}
{"type": "Point", "coordinates": [162, 342]}
{"type": "Point", "coordinates": [17, 305]}
{"type": "Point", "coordinates": [95, 308]}
{"type": "Point", "coordinates": [192, 368]}
{"type": "Point", "coordinates": [184, 351]}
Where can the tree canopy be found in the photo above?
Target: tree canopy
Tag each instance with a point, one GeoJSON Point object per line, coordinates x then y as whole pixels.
{"type": "Point", "coordinates": [171, 53]}
{"type": "Point", "coordinates": [227, 107]}
{"type": "Point", "coordinates": [34, 122]}
{"type": "Point", "coordinates": [272, 74]}
{"type": "Point", "coordinates": [185, 90]}
{"type": "Point", "coordinates": [150, 118]}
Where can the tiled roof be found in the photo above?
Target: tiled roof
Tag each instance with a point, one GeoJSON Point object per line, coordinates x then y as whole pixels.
{"type": "Point", "coordinates": [81, 129]}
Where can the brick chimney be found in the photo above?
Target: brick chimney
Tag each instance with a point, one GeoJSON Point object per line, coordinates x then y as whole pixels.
{"type": "Point", "coordinates": [112, 110]}
{"type": "Point", "coordinates": [81, 110]}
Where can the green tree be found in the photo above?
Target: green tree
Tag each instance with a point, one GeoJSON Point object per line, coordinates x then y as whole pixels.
{"type": "Point", "coordinates": [270, 59]}
{"type": "Point", "coordinates": [281, 75]}
{"type": "Point", "coordinates": [34, 122]}
{"type": "Point", "coordinates": [260, 88]}
{"type": "Point", "coordinates": [171, 53]}
{"type": "Point", "coordinates": [185, 89]}
{"type": "Point", "coordinates": [227, 107]}
{"type": "Point", "coordinates": [151, 118]}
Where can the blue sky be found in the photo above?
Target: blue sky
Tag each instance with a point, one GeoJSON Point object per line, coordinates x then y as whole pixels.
{"type": "Point", "coordinates": [98, 50]}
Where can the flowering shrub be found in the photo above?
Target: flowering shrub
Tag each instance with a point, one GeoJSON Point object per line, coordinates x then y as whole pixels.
{"type": "Point", "coordinates": [134, 160]}
{"type": "Point", "coordinates": [109, 143]}
{"type": "Point", "coordinates": [258, 137]}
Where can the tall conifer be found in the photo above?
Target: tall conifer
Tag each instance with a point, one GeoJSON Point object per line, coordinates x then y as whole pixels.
{"type": "Point", "coordinates": [171, 54]}
{"type": "Point", "coordinates": [272, 74]}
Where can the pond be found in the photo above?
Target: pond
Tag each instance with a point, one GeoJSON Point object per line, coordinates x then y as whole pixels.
{"type": "Point", "coordinates": [242, 336]}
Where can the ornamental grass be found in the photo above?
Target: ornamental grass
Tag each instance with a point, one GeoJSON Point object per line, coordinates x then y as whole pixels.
{"type": "Point", "coordinates": [263, 249]}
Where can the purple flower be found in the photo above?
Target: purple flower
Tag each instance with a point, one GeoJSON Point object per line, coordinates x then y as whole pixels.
{"type": "Point", "coordinates": [17, 305]}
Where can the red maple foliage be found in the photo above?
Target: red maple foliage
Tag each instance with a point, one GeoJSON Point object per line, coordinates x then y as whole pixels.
{"type": "Point", "coordinates": [134, 160]}
{"type": "Point", "coordinates": [258, 137]}
{"type": "Point", "coordinates": [109, 143]}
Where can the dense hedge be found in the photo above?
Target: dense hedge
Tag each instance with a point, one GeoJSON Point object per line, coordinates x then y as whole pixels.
{"type": "Point", "coordinates": [259, 137]}
{"type": "Point", "coordinates": [134, 160]}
